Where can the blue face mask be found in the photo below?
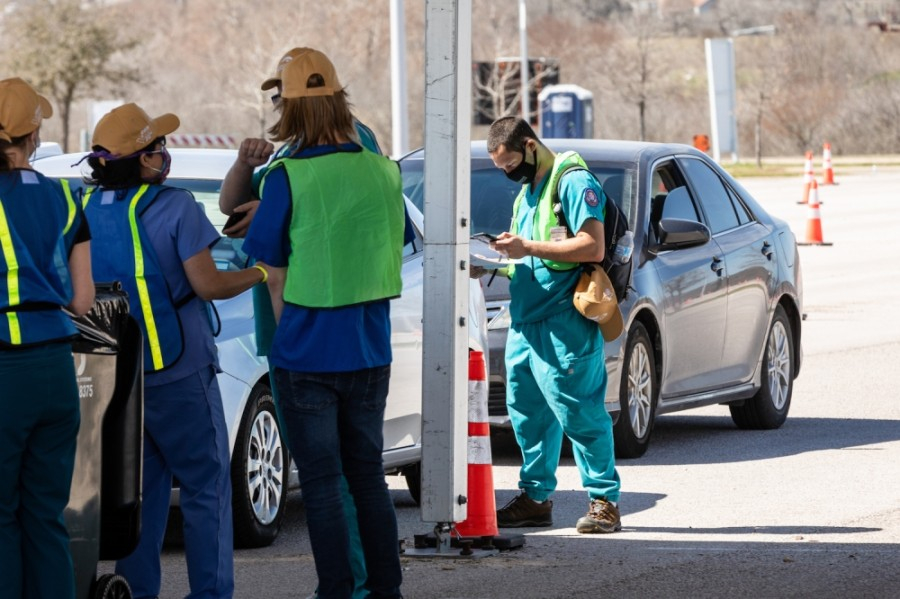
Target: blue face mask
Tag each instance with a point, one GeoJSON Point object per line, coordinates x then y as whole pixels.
{"type": "Point", "coordinates": [525, 172]}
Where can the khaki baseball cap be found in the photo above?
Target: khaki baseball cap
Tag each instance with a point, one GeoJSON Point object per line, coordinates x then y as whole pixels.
{"type": "Point", "coordinates": [595, 298]}
{"type": "Point", "coordinates": [309, 74]}
{"type": "Point", "coordinates": [288, 57]}
{"type": "Point", "coordinates": [21, 108]}
{"type": "Point", "coordinates": [128, 129]}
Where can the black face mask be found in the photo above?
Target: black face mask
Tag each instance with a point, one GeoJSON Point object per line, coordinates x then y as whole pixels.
{"type": "Point", "coordinates": [525, 172]}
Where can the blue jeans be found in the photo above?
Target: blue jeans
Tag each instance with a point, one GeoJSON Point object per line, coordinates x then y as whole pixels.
{"type": "Point", "coordinates": [334, 423]}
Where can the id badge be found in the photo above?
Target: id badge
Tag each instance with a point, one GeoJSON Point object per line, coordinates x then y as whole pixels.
{"type": "Point", "coordinates": [558, 233]}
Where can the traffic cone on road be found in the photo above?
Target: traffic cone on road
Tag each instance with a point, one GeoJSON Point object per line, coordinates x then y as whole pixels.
{"type": "Point", "coordinates": [814, 222]}
{"type": "Point", "coordinates": [828, 170]}
{"type": "Point", "coordinates": [481, 506]}
{"type": "Point", "coordinates": [809, 178]}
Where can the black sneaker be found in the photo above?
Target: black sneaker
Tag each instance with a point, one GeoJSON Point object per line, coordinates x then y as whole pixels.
{"type": "Point", "coordinates": [602, 517]}
{"type": "Point", "coordinates": [524, 511]}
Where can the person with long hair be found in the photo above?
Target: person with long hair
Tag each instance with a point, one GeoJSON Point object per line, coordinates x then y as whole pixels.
{"type": "Point", "coordinates": [156, 240]}
{"type": "Point", "coordinates": [239, 197]}
{"type": "Point", "coordinates": [331, 281]}
{"type": "Point", "coordinates": [45, 266]}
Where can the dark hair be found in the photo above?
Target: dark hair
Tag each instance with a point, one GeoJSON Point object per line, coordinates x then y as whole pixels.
{"type": "Point", "coordinates": [511, 132]}
{"type": "Point", "coordinates": [5, 163]}
{"type": "Point", "coordinates": [117, 174]}
{"type": "Point", "coordinates": [310, 121]}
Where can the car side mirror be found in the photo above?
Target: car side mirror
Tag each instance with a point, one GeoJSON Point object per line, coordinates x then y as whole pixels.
{"type": "Point", "coordinates": [676, 233]}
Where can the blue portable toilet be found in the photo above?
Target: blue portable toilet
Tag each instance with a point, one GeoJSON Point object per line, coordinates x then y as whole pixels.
{"type": "Point", "coordinates": [567, 110]}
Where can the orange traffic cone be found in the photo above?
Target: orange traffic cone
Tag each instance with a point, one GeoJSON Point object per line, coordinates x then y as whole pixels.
{"type": "Point", "coordinates": [814, 222]}
{"type": "Point", "coordinates": [481, 506]}
{"type": "Point", "coordinates": [809, 178]}
{"type": "Point", "coordinates": [828, 176]}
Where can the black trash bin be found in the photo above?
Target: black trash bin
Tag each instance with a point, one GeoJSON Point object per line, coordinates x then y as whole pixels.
{"type": "Point", "coordinates": [104, 512]}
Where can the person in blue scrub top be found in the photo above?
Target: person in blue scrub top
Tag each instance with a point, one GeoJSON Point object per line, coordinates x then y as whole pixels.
{"type": "Point", "coordinates": [133, 213]}
{"type": "Point", "coordinates": [45, 266]}
{"type": "Point", "coordinates": [554, 356]}
{"type": "Point", "coordinates": [331, 288]}
{"type": "Point", "coordinates": [240, 195]}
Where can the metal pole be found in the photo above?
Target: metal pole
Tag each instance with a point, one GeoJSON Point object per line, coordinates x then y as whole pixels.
{"type": "Point", "coordinates": [399, 112]}
{"type": "Point", "coordinates": [448, 118]}
{"type": "Point", "coordinates": [523, 45]}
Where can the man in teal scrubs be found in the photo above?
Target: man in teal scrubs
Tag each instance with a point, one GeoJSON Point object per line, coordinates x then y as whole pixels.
{"type": "Point", "coordinates": [554, 355]}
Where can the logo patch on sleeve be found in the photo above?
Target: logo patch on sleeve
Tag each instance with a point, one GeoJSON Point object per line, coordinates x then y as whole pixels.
{"type": "Point", "coordinates": [590, 197]}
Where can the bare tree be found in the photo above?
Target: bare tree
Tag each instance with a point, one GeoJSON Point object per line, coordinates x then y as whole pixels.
{"type": "Point", "coordinates": [69, 54]}
{"type": "Point", "coordinates": [637, 71]}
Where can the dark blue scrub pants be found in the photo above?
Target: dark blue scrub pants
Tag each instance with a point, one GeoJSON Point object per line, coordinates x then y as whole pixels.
{"type": "Point", "coordinates": [39, 419]}
{"type": "Point", "coordinates": [185, 436]}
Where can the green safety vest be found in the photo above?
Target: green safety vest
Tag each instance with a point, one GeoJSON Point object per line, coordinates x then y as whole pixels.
{"type": "Point", "coordinates": [346, 230]}
{"type": "Point", "coordinates": [544, 218]}
{"type": "Point", "coordinates": [34, 296]}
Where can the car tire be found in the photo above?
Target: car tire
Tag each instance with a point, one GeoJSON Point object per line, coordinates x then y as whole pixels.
{"type": "Point", "coordinates": [413, 476]}
{"type": "Point", "coordinates": [260, 465]}
{"type": "Point", "coordinates": [638, 395]}
{"type": "Point", "coordinates": [111, 586]}
{"type": "Point", "coordinates": [768, 409]}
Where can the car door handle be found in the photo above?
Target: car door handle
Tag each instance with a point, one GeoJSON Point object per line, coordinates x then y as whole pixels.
{"type": "Point", "coordinates": [767, 250]}
{"type": "Point", "coordinates": [717, 266]}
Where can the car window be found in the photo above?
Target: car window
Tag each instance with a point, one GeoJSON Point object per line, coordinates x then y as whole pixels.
{"type": "Point", "coordinates": [493, 194]}
{"type": "Point", "coordinates": [743, 214]}
{"type": "Point", "coordinates": [714, 197]}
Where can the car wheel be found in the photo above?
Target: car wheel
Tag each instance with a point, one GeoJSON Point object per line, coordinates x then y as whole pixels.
{"type": "Point", "coordinates": [111, 586]}
{"type": "Point", "coordinates": [413, 476]}
{"type": "Point", "coordinates": [638, 395]}
{"type": "Point", "coordinates": [259, 473]}
{"type": "Point", "coordinates": [769, 407]}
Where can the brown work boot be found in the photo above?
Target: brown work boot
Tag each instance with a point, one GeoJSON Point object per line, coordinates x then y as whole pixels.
{"type": "Point", "coordinates": [524, 511]}
{"type": "Point", "coordinates": [602, 516]}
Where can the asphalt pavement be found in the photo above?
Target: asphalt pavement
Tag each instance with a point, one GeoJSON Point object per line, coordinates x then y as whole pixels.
{"type": "Point", "coordinates": [809, 510]}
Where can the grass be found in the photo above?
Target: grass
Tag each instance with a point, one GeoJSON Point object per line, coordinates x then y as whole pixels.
{"type": "Point", "coordinates": [793, 167]}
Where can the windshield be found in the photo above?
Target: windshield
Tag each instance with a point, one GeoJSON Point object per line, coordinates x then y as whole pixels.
{"type": "Point", "coordinates": [227, 252]}
{"type": "Point", "coordinates": [493, 194]}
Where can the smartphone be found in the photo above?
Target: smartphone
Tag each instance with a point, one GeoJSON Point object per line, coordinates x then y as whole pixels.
{"type": "Point", "coordinates": [485, 237]}
{"type": "Point", "coordinates": [234, 219]}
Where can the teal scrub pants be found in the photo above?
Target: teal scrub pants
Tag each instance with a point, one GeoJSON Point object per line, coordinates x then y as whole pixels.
{"type": "Point", "coordinates": [39, 420]}
{"type": "Point", "coordinates": [557, 385]}
{"type": "Point", "coordinates": [264, 319]}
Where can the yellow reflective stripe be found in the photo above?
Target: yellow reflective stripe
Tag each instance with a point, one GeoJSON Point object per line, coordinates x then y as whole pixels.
{"type": "Point", "coordinates": [143, 291]}
{"type": "Point", "coordinates": [70, 203]}
{"type": "Point", "coordinates": [87, 196]}
{"type": "Point", "coordinates": [12, 277]}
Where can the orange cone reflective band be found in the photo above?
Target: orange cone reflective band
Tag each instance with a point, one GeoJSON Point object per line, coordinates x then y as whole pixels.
{"type": "Point", "coordinates": [808, 178]}
{"type": "Point", "coordinates": [481, 508]}
{"type": "Point", "coordinates": [826, 165]}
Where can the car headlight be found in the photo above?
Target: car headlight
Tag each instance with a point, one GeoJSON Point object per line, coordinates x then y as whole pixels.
{"type": "Point", "coordinates": [501, 320]}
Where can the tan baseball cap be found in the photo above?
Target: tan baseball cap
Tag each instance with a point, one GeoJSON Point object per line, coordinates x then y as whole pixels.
{"type": "Point", "coordinates": [288, 57]}
{"type": "Point", "coordinates": [127, 129]}
{"type": "Point", "coordinates": [595, 298]}
{"type": "Point", "coordinates": [298, 76]}
{"type": "Point", "coordinates": [21, 108]}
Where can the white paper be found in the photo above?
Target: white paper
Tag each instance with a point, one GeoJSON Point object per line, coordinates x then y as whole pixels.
{"type": "Point", "coordinates": [481, 254]}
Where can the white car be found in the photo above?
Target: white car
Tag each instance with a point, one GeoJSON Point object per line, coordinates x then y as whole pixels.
{"type": "Point", "coordinates": [260, 468]}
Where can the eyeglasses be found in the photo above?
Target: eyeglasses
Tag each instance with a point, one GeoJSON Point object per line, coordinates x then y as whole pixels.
{"type": "Point", "coordinates": [276, 99]}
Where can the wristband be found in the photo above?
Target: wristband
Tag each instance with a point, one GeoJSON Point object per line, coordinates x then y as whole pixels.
{"type": "Point", "coordinates": [263, 271]}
